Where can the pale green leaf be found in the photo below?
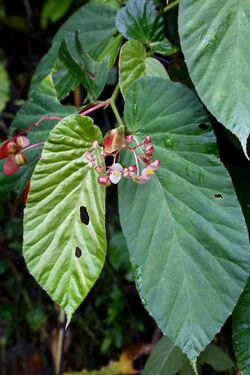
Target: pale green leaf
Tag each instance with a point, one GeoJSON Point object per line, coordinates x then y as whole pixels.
{"type": "Point", "coordinates": [139, 20]}
{"type": "Point", "coordinates": [214, 38]}
{"type": "Point", "coordinates": [241, 331]}
{"type": "Point", "coordinates": [64, 254]}
{"type": "Point", "coordinates": [134, 63]}
{"type": "Point", "coordinates": [184, 229]}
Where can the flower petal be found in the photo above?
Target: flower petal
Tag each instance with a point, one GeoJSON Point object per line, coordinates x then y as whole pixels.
{"type": "Point", "coordinates": [4, 150]}
{"type": "Point", "coordinates": [115, 179]}
{"type": "Point", "coordinates": [116, 167]}
{"type": "Point", "coordinates": [10, 167]}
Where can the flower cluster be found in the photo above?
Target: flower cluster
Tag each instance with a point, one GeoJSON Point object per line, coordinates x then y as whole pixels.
{"type": "Point", "coordinates": [11, 151]}
{"type": "Point", "coordinates": [114, 142]}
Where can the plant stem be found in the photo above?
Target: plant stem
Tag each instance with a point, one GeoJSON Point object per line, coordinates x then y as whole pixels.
{"type": "Point", "coordinates": [60, 344]}
{"type": "Point", "coordinates": [115, 93]}
{"type": "Point", "coordinates": [170, 6]}
{"type": "Point", "coordinates": [94, 108]}
{"type": "Point", "coordinates": [116, 113]}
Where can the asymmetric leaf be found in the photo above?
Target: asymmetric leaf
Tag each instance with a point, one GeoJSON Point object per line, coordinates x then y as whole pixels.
{"type": "Point", "coordinates": [184, 228]}
{"type": "Point", "coordinates": [214, 37]}
{"type": "Point", "coordinates": [241, 331]}
{"type": "Point", "coordinates": [63, 250]}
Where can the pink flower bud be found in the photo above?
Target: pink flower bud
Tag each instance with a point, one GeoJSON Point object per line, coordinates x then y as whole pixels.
{"type": "Point", "coordinates": [95, 144]}
{"type": "Point", "coordinates": [22, 141]}
{"type": "Point", "coordinates": [104, 180]}
{"type": "Point", "coordinates": [156, 163]}
{"type": "Point", "coordinates": [147, 140]}
{"type": "Point", "coordinates": [129, 138]}
{"type": "Point", "coordinates": [149, 149]}
{"type": "Point", "coordinates": [126, 172]}
{"type": "Point", "coordinates": [132, 168]}
{"type": "Point", "coordinates": [99, 169]}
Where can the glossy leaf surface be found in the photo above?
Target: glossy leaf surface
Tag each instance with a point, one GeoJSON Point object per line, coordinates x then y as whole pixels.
{"type": "Point", "coordinates": [139, 20]}
{"type": "Point", "coordinates": [214, 37]}
{"type": "Point", "coordinates": [63, 253]}
{"type": "Point", "coordinates": [179, 228]}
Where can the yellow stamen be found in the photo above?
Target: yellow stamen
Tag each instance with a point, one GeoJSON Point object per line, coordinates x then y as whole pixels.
{"type": "Point", "coordinates": [149, 171]}
{"type": "Point", "coordinates": [117, 173]}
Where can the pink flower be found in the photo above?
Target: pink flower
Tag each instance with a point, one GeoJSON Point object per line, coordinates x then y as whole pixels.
{"type": "Point", "coordinates": [116, 171]}
{"type": "Point", "coordinates": [150, 169]}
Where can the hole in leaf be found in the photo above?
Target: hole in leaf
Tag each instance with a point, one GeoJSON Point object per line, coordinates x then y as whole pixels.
{"type": "Point", "coordinates": [218, 195]}
{"type": "Point", "coordinates": [84, 216]}
{"type": "Point", "coordinates": [203, 126]}
{"type": "Point", "coordinates": [78, 252]}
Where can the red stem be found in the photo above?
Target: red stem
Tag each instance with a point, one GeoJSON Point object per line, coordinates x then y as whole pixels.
{"type": "Point", "coordinates": [52, 118]}
{"type": "Point", "coordinates": [92, 109]}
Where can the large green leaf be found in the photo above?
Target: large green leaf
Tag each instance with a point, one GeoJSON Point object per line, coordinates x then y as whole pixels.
{"type": "Point", "coordinates": [241, 331]}
{"type": "Point", "coordinates": [139, 20]}
{"type": "Point", "coordinates": [63, 253]}
{"type": "Point", "coordinates": [96, 25]}
{"type": "Point", "coordinates": [54, 10]}
{"type": "Point", "coordinates": [185, 230]}
{"type": "Point", "coordinates": [214, 37]}
{"type": "Point", "coordinates": [4, 88]}
{"type": "Point", "coordinates": [42, 101]}
{"type": "Point", "coordinates": [134, 63]}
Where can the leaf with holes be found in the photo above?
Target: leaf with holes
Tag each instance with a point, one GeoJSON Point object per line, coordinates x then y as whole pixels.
{"type": "Point", "coordinates": [214, 37]}
{"type": "Point", "coordinates": [241, 331]}
{"type": "Point", "coordinates": [184, 228]}
{"type": "Point", "coordinates": [134, 63]}
{"type": "Point", "coordinates": [64, 220]}
{"type": "Point", "coordinates": [139, 20]}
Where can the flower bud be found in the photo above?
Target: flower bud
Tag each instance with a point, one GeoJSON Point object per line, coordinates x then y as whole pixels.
{"type": "Point", "coordinates": [129, 138]}
{"type": "Point", "coordinates": [149, 149]}
{"type": "Point", "coordinates": [95, 144]}
{"type": "Point", "coordinates": [132, 168]}
{"type": "Point", "coordinates": [12, 147]}
{"type": "Point", "coordinates": [156, 163]}
{"type": "Point", "coordinates": [99, 169]}
{"type": "Point", "coordinates": [147, 140]}
{"type": "Point", "coordinates": [104, 180]}
{"type": "Point", "coordinates": [20, 159]}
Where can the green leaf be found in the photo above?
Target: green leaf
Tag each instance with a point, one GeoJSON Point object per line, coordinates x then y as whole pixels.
{"type": "Point", "coordinates": [41, 102]}
{"type": "Point", "coordinates": [139, 20]}
{"type": "Point", "coordinates": [111, 50]}
{"type": "Point", "coordinates": [4, 89]}
{"type": "Point", "coordinates": [52, 11]}
{"type": "Point", "coordinates": [241, 331]}
{"type": "Point", "coordinates": [96, 24]}
{"type": "Point", "coordinates": [216, 358]}
{"type": "Point", "coordinates": [166, 358]}
{"type": "Point", "coordinates": [184, 229]}
{"type": "Point", "coordinates": [64, 254]}
{"type": "Point", "coordinates": [165, 47]}
{"type": "Point", "coordinates": [91, 74]}
{"type": "Point", "coordinates": [214, 35]}
{"type": "Point", "coordinates": [134, 63]}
